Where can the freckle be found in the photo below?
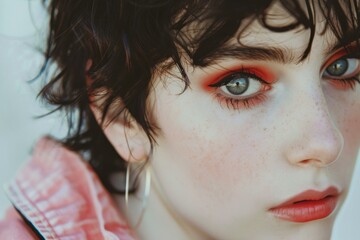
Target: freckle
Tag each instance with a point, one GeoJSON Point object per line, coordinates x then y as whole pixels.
{"type": "Point", "coordinates": [265, 129]}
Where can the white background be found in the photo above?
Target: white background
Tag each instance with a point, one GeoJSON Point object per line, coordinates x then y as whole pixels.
{"type": "Point", "coordinates": [22, 24]}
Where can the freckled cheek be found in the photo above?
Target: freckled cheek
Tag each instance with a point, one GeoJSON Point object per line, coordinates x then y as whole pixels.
{"type": "Point", "coordinates": [219, 162]}
{"type": "Point", "coordinates": [214, 158]}
{"type": "Point", "coordinates": [350, 125]}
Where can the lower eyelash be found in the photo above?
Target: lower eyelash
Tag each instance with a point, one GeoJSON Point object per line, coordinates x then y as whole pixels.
{"type": "Point", "coordinates": [237, 104]}
{"type": "Point", "coordinates": [345, 84]}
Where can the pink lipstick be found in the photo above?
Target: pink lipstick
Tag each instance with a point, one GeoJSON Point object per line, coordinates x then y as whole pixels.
{"type": "Point", "coordinates": [307, 206]}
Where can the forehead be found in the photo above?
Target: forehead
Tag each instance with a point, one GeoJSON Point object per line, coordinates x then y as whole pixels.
{"type": "Point", "coordinates": [259, 43]}
{"type": "Point", "coordinates": [266, 29]}
{"type": "Point", "coordinates": [286, 32]}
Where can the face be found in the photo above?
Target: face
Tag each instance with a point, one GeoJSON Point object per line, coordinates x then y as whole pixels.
{"type": "Point", "coordinates": [249, 134]}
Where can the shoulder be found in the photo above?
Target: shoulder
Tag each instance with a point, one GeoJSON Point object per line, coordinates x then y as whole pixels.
{"type": "Point", "coordinates": [12, 227]}
{"type": "Point", "coordinates": [58, 193]}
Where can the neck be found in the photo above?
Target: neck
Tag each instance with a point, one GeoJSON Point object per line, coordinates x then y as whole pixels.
{"type": "Point", "coordinates": [158, 221]}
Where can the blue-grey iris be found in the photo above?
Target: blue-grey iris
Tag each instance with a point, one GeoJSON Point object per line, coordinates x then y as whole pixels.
{"type": "Point", "coordinates": [338, 68]}
{"type": "Point", "coordinates": [238, 85]}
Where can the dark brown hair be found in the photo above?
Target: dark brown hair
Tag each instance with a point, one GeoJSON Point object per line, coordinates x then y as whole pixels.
{"type": "Point", "coordinates": [127, 41]}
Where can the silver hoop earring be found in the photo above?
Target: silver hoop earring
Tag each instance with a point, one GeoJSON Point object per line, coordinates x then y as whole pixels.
{"type": "Point", "coordinates": [146, 194]}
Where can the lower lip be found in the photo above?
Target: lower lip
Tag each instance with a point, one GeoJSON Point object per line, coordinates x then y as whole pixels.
{"type": "Point", "coordinates": [307, 210]}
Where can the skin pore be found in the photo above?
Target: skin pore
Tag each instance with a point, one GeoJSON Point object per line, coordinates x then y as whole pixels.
{"type": "Point", "coordinates": [222, 160]}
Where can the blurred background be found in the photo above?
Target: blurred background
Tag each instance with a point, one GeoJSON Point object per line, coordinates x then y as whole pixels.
{"type": "Point", "coordinates": [23, 26]}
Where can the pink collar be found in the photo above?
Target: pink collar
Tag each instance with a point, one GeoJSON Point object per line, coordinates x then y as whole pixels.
{"type": "Point", "coordinates": [58, 192]}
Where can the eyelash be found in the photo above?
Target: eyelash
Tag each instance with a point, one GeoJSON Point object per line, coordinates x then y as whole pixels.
{"type": "Point", "coordinates": [260, 97]}
{"type": "Point", "coordinates": [237, 104]}
{"type": "Point", "coordinates": [244, 103]}
{"type": "Point", "coordinates": [346, 83]}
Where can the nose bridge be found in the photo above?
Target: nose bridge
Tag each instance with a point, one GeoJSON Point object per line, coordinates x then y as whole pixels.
{"type": "Point", "coordinates": [316, 138]}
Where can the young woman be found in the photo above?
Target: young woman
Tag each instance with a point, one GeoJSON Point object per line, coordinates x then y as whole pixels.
{"type": "Point", "coordinates": [198, 120]}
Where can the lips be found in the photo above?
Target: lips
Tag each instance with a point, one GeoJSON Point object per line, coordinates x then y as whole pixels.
{"type": "Point", "coordinates": [307, 206]}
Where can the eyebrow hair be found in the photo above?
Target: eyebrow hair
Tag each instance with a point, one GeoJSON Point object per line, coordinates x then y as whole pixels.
{"type": "Point", "coordinates": [281, 55]}
{"type": "Point", "coordinates": [275, 54]}
{"type": "Point", "coordinates": [342, 44]}
{"type": "Point", "coordinates": [350, 38]}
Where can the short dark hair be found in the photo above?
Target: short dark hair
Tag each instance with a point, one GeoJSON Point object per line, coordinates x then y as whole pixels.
{"type": "Point", "coordinates": [127, 41]}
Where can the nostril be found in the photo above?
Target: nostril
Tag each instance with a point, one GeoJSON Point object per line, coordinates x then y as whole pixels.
{"type": "Point", "coordinates": [305, 161]}
{"type": "Point", "coordinates": [310, 161]}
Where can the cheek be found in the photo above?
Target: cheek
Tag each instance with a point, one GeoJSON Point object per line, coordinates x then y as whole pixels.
{"type": "Point", "coordinates": [352, 123]}
{"type": "Point", "coordinates": [212, 162]}
{"type": "Point", "coordinates": [344, 107]}
{"type": "Point", "coordinates": [348, 122]}
{"type": "Point", "coordinates": [221, 162]}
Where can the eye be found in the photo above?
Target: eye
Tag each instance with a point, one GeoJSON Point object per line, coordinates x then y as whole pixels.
{"type": "Point", "coordinates": [240, 85]}
{"type": "Point", "coordinates": [343, 68]}
{"type": "Point", "coordinates": [242, 89]}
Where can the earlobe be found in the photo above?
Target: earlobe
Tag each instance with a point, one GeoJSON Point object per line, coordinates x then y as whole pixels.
{"type": "Point", "coordinates": [124, 133]}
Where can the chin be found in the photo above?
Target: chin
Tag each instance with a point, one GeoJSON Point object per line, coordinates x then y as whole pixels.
{"type": "Point", "coordinates": [320, 229]}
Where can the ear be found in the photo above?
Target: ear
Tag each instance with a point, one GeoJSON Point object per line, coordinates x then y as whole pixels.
{"type": "Point", "coordinates": [124, 133]}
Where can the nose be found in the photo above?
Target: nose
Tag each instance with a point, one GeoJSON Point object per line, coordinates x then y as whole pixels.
{"type": "Point", "coordinates": [314, 139]}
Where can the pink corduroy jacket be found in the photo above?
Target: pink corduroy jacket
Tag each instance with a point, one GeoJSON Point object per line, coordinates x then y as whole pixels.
{"type": "Point", "coordinates": [56, 195]}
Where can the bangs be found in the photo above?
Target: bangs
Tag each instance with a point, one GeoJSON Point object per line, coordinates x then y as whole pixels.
{"type": "Point", "coordinates": [203, 31]}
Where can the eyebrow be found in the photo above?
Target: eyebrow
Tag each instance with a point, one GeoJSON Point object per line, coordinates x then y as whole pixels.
{"type": "Point", "coordinates": [341, 44]}
{"type": "Point", "coordinates": [275, 54]}
{"type": "Point", "coordinates": [282, 55]}
{"type": "Point", "coordinates": [350, 38]}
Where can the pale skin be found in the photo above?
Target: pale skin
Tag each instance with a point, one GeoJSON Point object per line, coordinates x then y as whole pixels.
{"type": "Point", "coordinates": [217, 170]}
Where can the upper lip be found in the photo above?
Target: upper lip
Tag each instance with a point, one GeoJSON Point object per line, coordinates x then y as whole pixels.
{"type": "Point", "coordinates": [310, 195]}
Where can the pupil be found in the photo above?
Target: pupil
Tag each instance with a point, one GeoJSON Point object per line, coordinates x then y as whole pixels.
{"type": "Point", "coordinates": [338, 68]}
{"type": "Point", "coordinates": [238, 86]}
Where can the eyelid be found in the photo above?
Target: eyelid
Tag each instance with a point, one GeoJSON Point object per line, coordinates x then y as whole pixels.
{"type": "Point", "coordinates": [354, 67]}
{"type": "Point", "coordinates": [228, 78]}
{"type": "Point", "coordinates": [264, 87]}
{"type": "Point", "coordinates": [258, 72]}
{"type": "Point", "coordinates": [340, 53]}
